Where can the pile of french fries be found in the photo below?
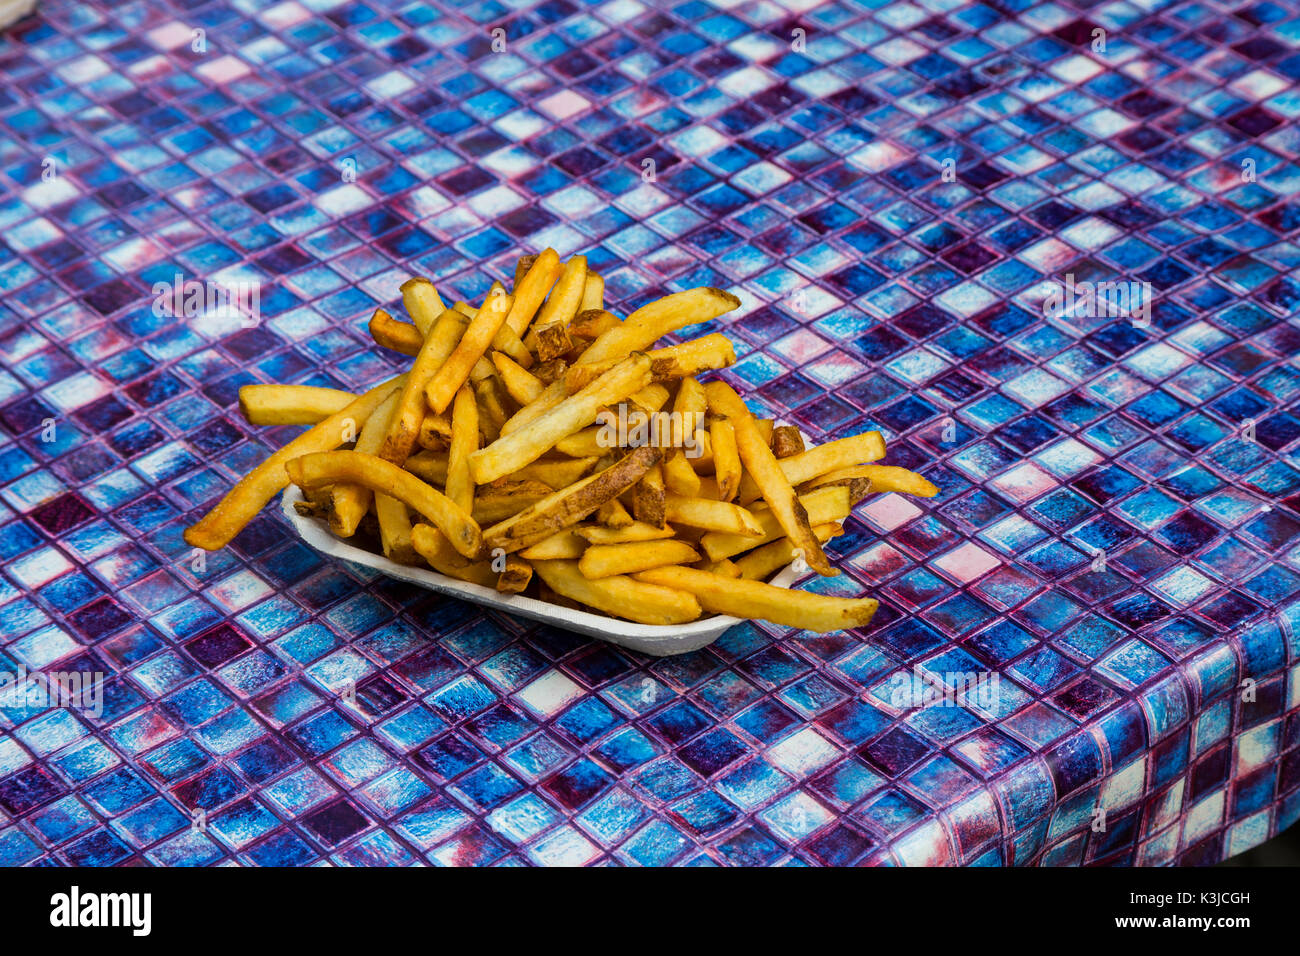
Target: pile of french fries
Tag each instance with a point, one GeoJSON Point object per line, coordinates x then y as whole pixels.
{"type": "Point", "coordinates": [540, 444]}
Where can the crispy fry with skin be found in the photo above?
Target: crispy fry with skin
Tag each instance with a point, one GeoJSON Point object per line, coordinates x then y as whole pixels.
{"type": "Point", "coordinates": [620, 596]}
{"type": "Point", "coordinates": [822, 505]}
{"type": "Point", "coordinates": [291, 404]}
{"type": "Point", "coordinates": [562, 546]}
{"type": "Point", "coordinates": [605, 560]}
{"type": "Point", "coordinates": [709, 515]}
{"type": "Point", "coordinates": [786, 441]}
{"type": "Point", "coordinates": [531, 289]}
{"type": "Point", "coordinates": [516, 575]}
{"type": "Point", "coordinates": [423, 304]}
{"type": "Point", "coordinates": [754, 599]}
{"type": "Point", "coordinates": [521, 384]}
{"type": "Point", "coordinates": [883, 479]}
{"type": "Point", "coordinates": [648, 498]}
{"type": "Point", "coordinates": [523, 265]}
{"type": "Point", "coordinates": [566, 507]}
{"type": "Point", "coordinates": [391, 334]}
{"type": "Point", "coordinates": [593, 293]}
{"type": "Point", "coordinates": [591, 323]}
{"type": "Point", "coordinates": [349, 501]}
{"type": "Point", "coordinates": [404, 428]}
{"type": "Point", "coordinates": [762, 465]}
{"type": "Point", "coordinates": [464, 442]}
{"type": "Point", "coordinates": [250, 495]}
{"type": "Point", "coordinates": [636, 531]}
{"type": "Point", "coordinates": [500, 500]}
{"type": "Point", "coordinates": [473, 344]}
{"type": "Point", "coordinates": [521, 447]}
{"type": "Point", "coordinates": [320, 468]}
{"type": "Point", "coordinates": [801, 468]}
{"type": "Point", "coordinates": [761, 563]}
{"type": "Point", "coordinates": [666, 364]}
{"type": "Point", "coordinates": [435, 433]}
{"type": "Point", "coordinates": [549, 341]}
{"type": "Point", "coordinates": [726, 459]}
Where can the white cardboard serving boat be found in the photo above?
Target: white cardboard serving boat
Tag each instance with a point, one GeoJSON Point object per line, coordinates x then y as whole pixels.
{"type": "Point", "coordinates": [657, 640]}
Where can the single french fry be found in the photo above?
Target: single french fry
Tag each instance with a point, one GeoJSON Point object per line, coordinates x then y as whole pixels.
{"type": "Point", "coordinates": [590, 323]}
{"type": "Point", "coordinates": [432, 545]}
{"type": "Point", "coordinates": [562, 546]}
{"type": "Point", "coordinates": [666, 364]}
{"type": "Point", "coordinates": [490, 395]}
{"type": "Point", "coordinates": [762, 466]}
{"type": "Point", "coordinates": [549, 341]}
{"type": "Point", "coordinates": [650, 399]}
{"type": "Point", "coordinates": [557, 473]}
{"type": "Point", "coordinates": [722, 516]}
{"type": "Point", "coordinates": [584, 443]}
{"type": "Point", "coordinates": [761, 563]}
{"type": "Point", "coordinates": [636, 531]}
{"type": "Point", "coordinates": [464, 442]}
{"type": "Point", "coordinates": [593, 293]}
{"type": "Point", "coordinates": [612, 514]}
{"type": "Point", "coordinates": [725, 568]}
{"type": "Point", "coordinates": [394, 527]}
{"type": "Point", "coordinates": [501, 500]}
{"type": "Point", "coordinates": [291, 404]}
{"type": "Point", "coordinates": [606, 560]}
{"type": "Point", "coordinates": [653, 321]}
{"type": "Point", "coordinates": [519, 448]}
{"type": "Point", "coordinates": [522, 385]}
{"type": "Point", "coordinates": [566, 507]}
{"type": "Point", "coordinates": [680, 477]}
{"type": "Point", "coordinates": [251, 493]}
{"type": "Point", "coordinates": [726, 459]}
{"type": "Point", "coordinates": [321, 468]}
{"type": "Point", "coordinates": [396, 335]}
{"type": "Point", "coordinates": [883, 479]}
{"type": "Point", "coordinates": [620, 596]}
{"type": "Point", "coordinates": [404, 428]}
{"type": "Point", "coordinates": [522, 266]}
{"type": "Point", "coordinates": [531, 289]}
{"type": "Point", "coordinates": [786, 441]}
{"type": "Point", "coordinates": [349, 502]}
{"type": "Point", "coordinates": [648, 498]}
{"type": "Point", "coordinates": [841, 453]}
{"type": "Point", "coordinates": [516, 575]}
{"type": "Point", "coordinates": [754, 599]}
{"type": "Point", "coordinates": [562, 305]}
{"type": "Point", "coordinates": [474, 342]}
{"type": "Point", "coordinates": [825, 504]}
{"type": "Point", "coordinates": [423, 304]}
{"type": "Point", "coordinates": [508, 343]}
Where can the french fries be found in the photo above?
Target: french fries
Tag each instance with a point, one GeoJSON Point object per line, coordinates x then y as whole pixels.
{"type": "Point", "coordinates": [540, 445]}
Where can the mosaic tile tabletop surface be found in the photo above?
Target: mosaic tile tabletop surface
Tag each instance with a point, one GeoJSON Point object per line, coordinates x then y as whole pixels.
{"type": "Point", "coordinates": [1116, 536]}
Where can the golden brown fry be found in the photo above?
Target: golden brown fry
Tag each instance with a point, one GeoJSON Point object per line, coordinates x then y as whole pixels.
{"type": "Point", "coordinates": [502, 499]}
{"type": "Point", "coordinates": [435, 432]}
{"type": "Point", "coordinates": [474, 342]}
{"type": "Point", "coordinates": [432, 545]}
{"type": "Point", "coordinates": [514, 579]}
{"type": "Point", "coordinates": [464, 442]}
{"type": "Point", "coordinates": [648, 498]}
{"type": "Point", "coordinates": [612, 514]}
{"type": "Point", "coordinates": [593, 293]}
{"type": "Point", "coordinates": [562, 304]}
{"type": "Point", "coordinates": [824, 504]}
{"type": "Point", "coordinates": [404, 428]}
{"type": "Point", "coordinates": [726, 459]}
{"type": "Point", "coordinates": [531, 289]}
{"type": "Point", "coordinates": [786, 441]}
{"type": "Point", "coordinates": [548, 373]}
{"type": "Point", "coordinates": [725, 568]}
{"type": "Point", "coordinates": [762, 465]}
{"type": "Point", "coordinates": [650, 399]}
{"type": "Point", "coordinates": [522, 385]}
{"type": "Point", "coordinates": [350, 502]}
{"type": "Point", "coordinates": [680, 477]}
{"type": "Point", "coordinates": [883, 479]}
{"type": "Point", "coordinates": [522, 266]}
{"type": "Point", "coordinates": [801, 468]}
{"type": "Point", "coordinates": [549, 341]}
{"type": "Point", "coordinates": [511, 452]}
{"type": "Point", "coordinates": [671, 362]}
{"type": "Point", "coordinates": [591, 323]}
{"type": "Point", "coordinates": [320, 468]}
{"type": "Point", "coordinates": [605, 560]}
{"type": "Point", "coordinates": [423, 304]}
{"type": "Point", "coordinates": [391, 334]}
{"type": "Point", "coordinates": [291, 404]}
{"type": "Point", "coordinates": [636, 531]}
{"type": "Point", "coordinates": [557, 473]}
{"type": "Point", "coordinates": [652, 322]}
{"type": "Point", "coordinates": [562, 546]}
{"type": "Point", "coordinates": [721, 516]}
{"type": "Point", "coordinates": [620, 596]}
{"type": "Point", "coordinates": [762, 563]}
{"type": "Point", "coordinates": [566, 507]}
{"type": "Point", "coordinates": [394, 527]}
{"type": "Point", "coordinates": [250, 495]}
{"type": "Point", "coordinates": [753, 599]}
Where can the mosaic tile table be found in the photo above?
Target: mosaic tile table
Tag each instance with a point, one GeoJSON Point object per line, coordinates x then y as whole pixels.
{"type": "Point", "coordinates": [1116, 537]}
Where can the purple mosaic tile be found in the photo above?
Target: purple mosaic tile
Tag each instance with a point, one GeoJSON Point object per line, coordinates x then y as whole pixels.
{"type": "Point", "coordinates": [893, 190]}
